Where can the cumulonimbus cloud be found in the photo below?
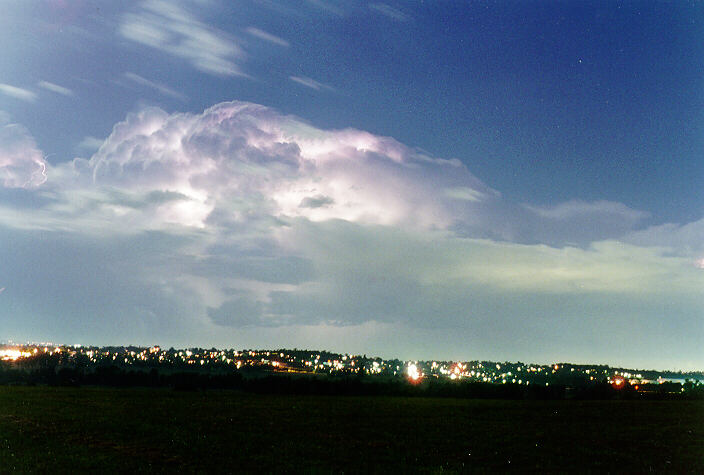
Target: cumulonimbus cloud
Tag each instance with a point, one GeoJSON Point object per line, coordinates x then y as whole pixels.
{"type": "Point", "coordinates": [278, 165]}
{"type": "Point", "coordinates": [241, 216]}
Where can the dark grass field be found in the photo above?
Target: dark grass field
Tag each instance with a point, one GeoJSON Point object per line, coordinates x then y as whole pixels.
{"type": "Point", "coordinates": [45, 429]}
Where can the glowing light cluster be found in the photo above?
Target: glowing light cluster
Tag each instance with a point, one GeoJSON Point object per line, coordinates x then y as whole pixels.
{"type": "Point", "coordinates": [12, 354]}
{"type": "Point", "coordinates": [413, 372]}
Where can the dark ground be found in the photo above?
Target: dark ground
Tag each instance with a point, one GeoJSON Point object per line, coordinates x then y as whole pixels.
{"type": "Point", "coordinates": [65, 430]}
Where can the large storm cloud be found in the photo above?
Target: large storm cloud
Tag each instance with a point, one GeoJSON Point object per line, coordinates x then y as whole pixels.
{"type": "Point", "coordinates": [241, 221]}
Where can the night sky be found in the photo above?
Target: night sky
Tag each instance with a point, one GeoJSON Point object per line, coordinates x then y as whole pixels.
{"type": "Point", "coordinates": [451, 180]}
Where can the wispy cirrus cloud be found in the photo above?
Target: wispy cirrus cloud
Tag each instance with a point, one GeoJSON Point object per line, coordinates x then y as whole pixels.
{"type": "Point", "coordinates": [157, 86]}
{"type": "Point", "coordinates": [329, 7]}
{"type": "Point", "coordinates": [311, 83]}
{"type": "Point", "coordinates": [263, 35]}
{"type": "Point", "coordinates": [50, 86]}
{"type": "Point", "coordinates": [172, 29]}
{"type": "Point", "coordinates": [390, 12]}
{"type": "Point", "coordinates": [18, 93]}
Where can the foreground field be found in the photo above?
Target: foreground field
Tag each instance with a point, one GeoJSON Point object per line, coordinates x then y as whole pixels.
{"type": "Point", "coordinates": [65, 430]}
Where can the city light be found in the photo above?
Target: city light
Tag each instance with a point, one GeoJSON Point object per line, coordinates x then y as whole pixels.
{"type": "Point", "coordinates": [328, 363]}
{"type": "Point", "coordinates": [13, 354]}
{"type": "Point", "coordinates": [413, 372]}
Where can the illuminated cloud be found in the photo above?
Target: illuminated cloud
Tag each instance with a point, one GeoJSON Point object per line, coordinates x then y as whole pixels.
{"type": "Point", "coordinates": [268, 164]}
{"type": "Point", "coordinates": [243, 222]}
{"type": "Point", "coordinates": [387, 274]}
{"type": "Point", "coordinates": [22, 164]}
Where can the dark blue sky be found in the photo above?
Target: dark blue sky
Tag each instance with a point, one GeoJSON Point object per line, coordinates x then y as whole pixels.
{"type": "Point", "coordinates": [462, 166]}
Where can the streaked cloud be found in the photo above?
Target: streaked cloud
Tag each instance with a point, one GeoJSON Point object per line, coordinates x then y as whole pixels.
{"type": "Point", "coordinates": [311, 83]}
{"type": "Point", "coordinates": [465, 194]}
{"type": "Point", "coordinates": [18, 93]}
{"type": "Point", "coordinates": [263, 35]}
{"type": "Point", "coordinates": [159, 87]}
{"type": "Point", "coordinates": [329, 7]}
{"type": "Point", "coordinates": [172, 29]}
{"type": "Point", "coordinates": [390, 12]}
{"type": "Point", "coordinates": [50, 86]}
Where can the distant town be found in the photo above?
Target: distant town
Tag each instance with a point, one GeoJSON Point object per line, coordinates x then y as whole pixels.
{"type": "Point", "coordinates": [33, 357]}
